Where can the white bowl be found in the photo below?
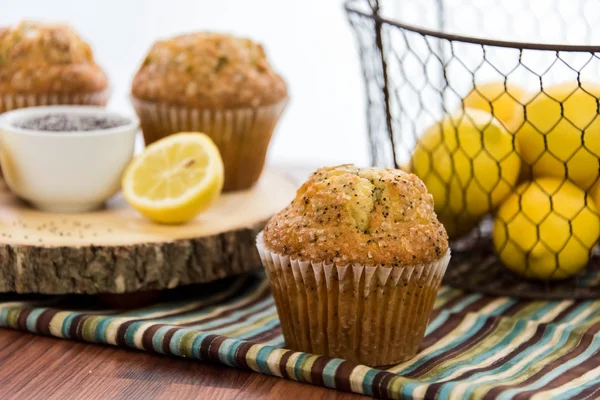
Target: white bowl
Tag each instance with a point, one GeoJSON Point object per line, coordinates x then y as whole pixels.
{"type": "Point", "coordinates": [65, 171]}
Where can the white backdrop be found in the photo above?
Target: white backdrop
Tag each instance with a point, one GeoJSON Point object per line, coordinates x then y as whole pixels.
{"type": "Point", "coordinates": [309, 42]}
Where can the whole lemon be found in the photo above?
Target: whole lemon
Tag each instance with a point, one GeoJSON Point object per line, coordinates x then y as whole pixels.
{"type": "Point", "coordinates": [594, 192]}
{"type": "Point", "coordinates": [457, 224]}
{"type": "Point", "coordinates": [561, 137]}
{"type": "Point", "coordinates": [505, 101]}
{"type": "Point", "coordinates": [469, 165]}
{"type": "Point", "coordinates": [546, 229]}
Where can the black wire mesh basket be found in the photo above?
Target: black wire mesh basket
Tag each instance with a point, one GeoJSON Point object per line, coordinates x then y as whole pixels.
{"type": "Point", "coordinates": [495, 105]}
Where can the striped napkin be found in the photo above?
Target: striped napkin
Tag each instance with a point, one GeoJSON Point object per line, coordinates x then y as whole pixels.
{"type": "Point", "coordinates": [475, 347]}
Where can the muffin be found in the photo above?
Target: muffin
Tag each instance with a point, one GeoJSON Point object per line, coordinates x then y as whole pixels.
{"type": "Point", "coordinates": [217, 84]}
{"type": "Point", "coordinates": [48, 64]}
{"type": "Point", "coordinates": [355, 263]}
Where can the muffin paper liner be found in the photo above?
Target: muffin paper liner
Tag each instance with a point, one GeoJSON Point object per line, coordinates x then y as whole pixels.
{"type": "Point", "coordinates": [12, 101]}
{"type": "Point", "coordinates": [372, 315]}
{"type": "Point", "coordinates": [241, 134]}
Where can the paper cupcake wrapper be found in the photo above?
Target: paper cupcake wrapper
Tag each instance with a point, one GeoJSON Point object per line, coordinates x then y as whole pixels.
{"type": "Point", "coordinates": [372, 315]}
{"type": "Point", "coordinates": [242, 134]}
{"type": "Point", "coordinates": [12, 101]}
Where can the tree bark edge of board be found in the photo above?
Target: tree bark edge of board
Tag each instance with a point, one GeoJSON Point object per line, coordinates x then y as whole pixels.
{"type": "Point", "coordinates": [128, 268]}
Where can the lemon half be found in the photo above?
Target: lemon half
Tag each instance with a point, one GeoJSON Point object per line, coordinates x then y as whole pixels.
{"type": "Point", "coordinates": [175, 178]}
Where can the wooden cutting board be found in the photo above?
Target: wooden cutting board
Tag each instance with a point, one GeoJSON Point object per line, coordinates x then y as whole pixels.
{"type": "Point", "coordinates": [115, 250]}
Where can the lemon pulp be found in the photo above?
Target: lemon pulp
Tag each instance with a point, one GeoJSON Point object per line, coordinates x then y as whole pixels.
{"type": "Point", "coordinates": [175, 178]}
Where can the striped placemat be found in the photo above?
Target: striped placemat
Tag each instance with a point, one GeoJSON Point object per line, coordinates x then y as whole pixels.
{"type": "Point", "coordinates": [475, 347]}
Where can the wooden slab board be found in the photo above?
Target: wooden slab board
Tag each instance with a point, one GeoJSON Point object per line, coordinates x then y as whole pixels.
{"type": "Point", "coordinates": [116, 250]}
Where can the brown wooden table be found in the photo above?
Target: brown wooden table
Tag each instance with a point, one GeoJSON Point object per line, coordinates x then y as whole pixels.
{"type": "Point", "coordinates": [35, 367]}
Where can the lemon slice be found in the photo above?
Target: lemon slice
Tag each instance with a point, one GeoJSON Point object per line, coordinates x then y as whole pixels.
{"type": "Point", "coordinates": [175, 178]}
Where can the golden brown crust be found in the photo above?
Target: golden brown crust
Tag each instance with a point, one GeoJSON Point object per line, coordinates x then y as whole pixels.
{"type": "Point", "coordinates": [208, 70]}
{"type": "Point", "coordinates": [367, 216]}
{"type": "Point", "coordinates": [47, 58]}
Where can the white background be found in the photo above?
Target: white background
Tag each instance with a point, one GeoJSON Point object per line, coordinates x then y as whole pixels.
{"type": "Point", "coordinates": [309, 42]}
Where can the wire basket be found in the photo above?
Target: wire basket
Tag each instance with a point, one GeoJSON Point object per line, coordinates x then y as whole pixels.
{"type": "Point", "coordinates": [494, 104]}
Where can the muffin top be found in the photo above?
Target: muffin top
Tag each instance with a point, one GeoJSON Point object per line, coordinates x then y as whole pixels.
{"type": "Point", "coordinates": [208, 70]}
{"type": "Point", "coordinates": [369, 216]}
{"type": "Point", "coordinates": [42, 58]}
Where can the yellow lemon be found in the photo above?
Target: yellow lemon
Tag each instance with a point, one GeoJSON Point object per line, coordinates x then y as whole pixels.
{"type": "Point", "coordinates": [469, 165]}
{"type": "Point", "coordinates": [595, 194]}
{"type": "Point", "coordinates": [175, 178]}
{"type": "Point", "coordinates": [505, 102]}
{"type": "Point", "coordinates": [561, 136]}
{"type": "Point", "coordinates": [546, 229]}
{"type": "Point", "coordinates": [457, 224]}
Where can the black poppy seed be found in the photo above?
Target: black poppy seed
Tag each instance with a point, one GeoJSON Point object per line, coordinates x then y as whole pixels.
{"type": "Point", "coordinates": [63, 122]}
